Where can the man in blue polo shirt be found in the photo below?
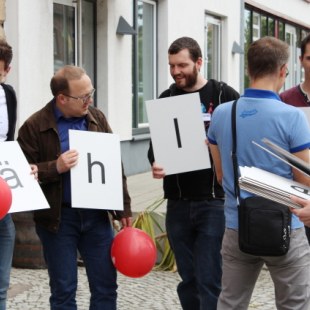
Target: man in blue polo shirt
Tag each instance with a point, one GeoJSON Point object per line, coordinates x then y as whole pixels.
{"type": "Point", "coordinates": [260, 113]}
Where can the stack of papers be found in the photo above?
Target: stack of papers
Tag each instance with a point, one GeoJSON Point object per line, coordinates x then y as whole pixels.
{"type": "Point", "coordinates": [272, 186]}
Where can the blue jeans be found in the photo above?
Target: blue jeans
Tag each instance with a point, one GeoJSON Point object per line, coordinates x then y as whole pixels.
{"type": "Point", "coordinates": [195, 231]}
{"type": "Point", "coordinates": [7, 238]}
{"type": "Point", "coordinates": [89, 232]}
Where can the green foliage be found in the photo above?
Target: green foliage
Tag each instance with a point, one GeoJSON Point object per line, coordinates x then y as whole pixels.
{"type": "Point", "coordinates": [149, 221]}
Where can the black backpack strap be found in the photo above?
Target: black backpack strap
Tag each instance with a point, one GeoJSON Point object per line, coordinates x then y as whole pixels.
{"type": "Point", "coordinates": [218, 91]}
{"type": "Point", "coordinates": [234, 148]}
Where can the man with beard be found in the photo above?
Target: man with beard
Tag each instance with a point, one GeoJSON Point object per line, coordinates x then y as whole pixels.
{"type": "Point", "coordinates": [195, 214]}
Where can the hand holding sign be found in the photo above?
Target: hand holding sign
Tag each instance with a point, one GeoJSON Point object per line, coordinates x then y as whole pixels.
{"type": "Point", "coordinates": [157, 171]}
{"type": "Point", "coordinates": [67, 160]}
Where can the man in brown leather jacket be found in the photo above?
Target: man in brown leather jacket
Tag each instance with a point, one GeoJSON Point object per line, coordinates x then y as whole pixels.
{"type": "Point", "coordinates": [64, 230]}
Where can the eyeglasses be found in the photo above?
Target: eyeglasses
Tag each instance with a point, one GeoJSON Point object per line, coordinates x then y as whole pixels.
{"type": "Point", "coordinates": [84, 99]}
{"type": "Point", "coordinates": [287, 72]}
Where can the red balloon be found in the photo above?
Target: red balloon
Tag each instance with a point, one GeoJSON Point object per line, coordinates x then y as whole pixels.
{"type": "Point", "coordinates": [133, 252]}
{"type": "Point", "coordinates": [5, 198]}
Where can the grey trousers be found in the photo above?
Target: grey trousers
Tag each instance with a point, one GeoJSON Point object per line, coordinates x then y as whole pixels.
{"type": "Point", "coordinates": [290, 274]}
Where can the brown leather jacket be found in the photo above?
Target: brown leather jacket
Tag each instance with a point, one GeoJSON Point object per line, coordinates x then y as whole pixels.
{"type": "Point", "coordinates": [39, 140]}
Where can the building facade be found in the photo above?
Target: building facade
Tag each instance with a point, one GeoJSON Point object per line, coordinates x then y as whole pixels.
{"type": "Point", "coordinates": [123, 45]}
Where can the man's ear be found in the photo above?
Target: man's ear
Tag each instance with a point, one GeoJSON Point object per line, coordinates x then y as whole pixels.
{"type": "Point", "coordinates": [199, 63]}
{"type": "Point", "coordinates": [8, 69]}
{"type": "Point", "coordinates": [283, 71]}
{"type": "Point", "coordinates": [60, 98]}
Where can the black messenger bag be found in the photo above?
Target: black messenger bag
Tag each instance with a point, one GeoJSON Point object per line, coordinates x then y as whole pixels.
{"type": "Point", "coordinates": [264, 225]}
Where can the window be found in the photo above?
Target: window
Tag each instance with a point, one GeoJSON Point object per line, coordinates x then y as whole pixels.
{"type": "Point", "coordinates": [64, 34]}
{"type": "Point", "coordinates": [291, 40]}
{"type": "Point", "coordinates": [88, 38]}
{"type": "Point", "coordinates": [74, 34]}
{"type": "Point", "coordinates": [281, 33]}
{"type": "Point", "coordinates": [144, 71]}
{"type": "Point", "coordinates": [264, 21]}
{"type": "Point", "coordinates": [258, 24]}
{"type": "Point", "coordinates": [300, 70]}
{"type": "Point", "coordinates": [212, 48]}
{"type": "Point", "coordinates": [271, 26]}
{"type": "Point", "coordinates": [248, 34]}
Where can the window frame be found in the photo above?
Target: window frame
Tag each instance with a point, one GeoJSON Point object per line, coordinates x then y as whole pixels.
{"type": "Point", "coordinates": [215, 48]}
{"type": "Point", "coordinates": [68, 3]}
{"type": "Point", "coordinates": [281, 29]}
{"type": "Point", "coordinates": [78, 37]}
{"type": "Point", "coordinates": [137, 126]}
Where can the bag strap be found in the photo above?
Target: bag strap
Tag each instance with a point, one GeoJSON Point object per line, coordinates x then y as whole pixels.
{"type": "Point", "coordinates": [234, 148]}
{"type": "Point", "coordinates": [217, 92]}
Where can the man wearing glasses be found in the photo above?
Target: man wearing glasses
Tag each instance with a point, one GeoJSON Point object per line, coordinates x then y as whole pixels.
{"type": "Point", "coordinates": [64, 230]}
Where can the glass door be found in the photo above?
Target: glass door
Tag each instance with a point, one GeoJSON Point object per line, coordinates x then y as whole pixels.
{"type": "Point", "coordinates": [212, 48]}
{"type": "Point", "coordinates": [75, 35]}
{"type": "Point", "coordinates": [291, 40]}
{"type": "Point", "coordinates": [65, 32]}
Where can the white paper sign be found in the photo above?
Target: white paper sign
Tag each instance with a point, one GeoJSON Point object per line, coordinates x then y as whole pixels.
{"type": "Point", "coordinates": [14, 168]}
{"type": "Point", "coordinates": [178, 133]}
{"type": "Point", "coordinates": [96, 181]}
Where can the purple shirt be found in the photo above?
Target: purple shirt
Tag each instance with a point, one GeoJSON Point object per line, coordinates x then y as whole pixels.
{"type": "Point", "coordinates": [294, 96]}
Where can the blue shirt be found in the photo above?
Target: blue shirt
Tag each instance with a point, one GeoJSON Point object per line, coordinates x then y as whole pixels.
{"type": "Point", "coordinates": [260, 114]}
{"type": "Point", "coordinates": [63, 126]}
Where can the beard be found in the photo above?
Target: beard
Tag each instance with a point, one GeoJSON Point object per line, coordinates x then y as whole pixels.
{"type": "Point", "coordinates": [188, 81]}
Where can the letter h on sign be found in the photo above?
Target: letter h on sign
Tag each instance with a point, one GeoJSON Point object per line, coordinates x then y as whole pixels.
{"type": "Point", "coordinates": [90, 165]}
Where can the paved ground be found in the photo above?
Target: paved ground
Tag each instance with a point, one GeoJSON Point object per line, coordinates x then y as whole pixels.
{"type": "Point", "coordinates": [156, 291]}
